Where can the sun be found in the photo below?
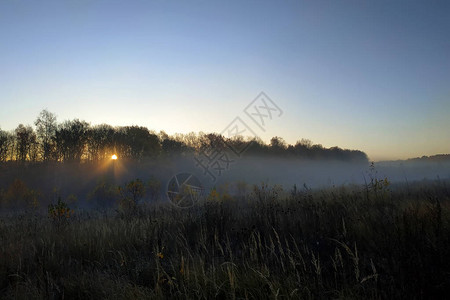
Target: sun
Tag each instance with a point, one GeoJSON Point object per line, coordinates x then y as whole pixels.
{"type": "Point", "coordinates": [114, 157]}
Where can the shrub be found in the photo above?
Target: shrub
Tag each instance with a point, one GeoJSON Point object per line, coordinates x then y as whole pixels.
{"type": "Point", "coordinates": [19, 196]}
{"type": "Point", "coordinates": [103, 195]}
{"type": "Point", "coordinates": [60, 212]}
{"type": "Point", "coordinates": [153, 189]}
{"type": "Point", "coordinates": [130, 195]}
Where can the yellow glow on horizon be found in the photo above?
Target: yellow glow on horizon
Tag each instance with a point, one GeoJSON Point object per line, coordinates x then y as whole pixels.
{"type": "Point", "coordinates": [114, 157]}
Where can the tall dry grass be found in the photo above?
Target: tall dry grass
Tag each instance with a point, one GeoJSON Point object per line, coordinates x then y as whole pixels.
{"type": "Point", "coordinates": [345, 242]}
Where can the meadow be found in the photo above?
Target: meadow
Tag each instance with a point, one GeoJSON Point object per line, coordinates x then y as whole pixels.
{"type": "Point", "coordinates": [375, 241]}
{"type": "Point", "coordinates": [224, 149]}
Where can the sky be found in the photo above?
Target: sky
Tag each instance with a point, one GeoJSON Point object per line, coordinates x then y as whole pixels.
{"type": "Point", "coordinates": [367, 75]}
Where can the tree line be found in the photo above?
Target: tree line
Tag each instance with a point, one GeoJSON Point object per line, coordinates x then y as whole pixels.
{"type": "Point", "coordinates": [78, 141]}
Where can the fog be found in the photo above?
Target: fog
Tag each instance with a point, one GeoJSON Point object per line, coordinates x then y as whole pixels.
{"type": "Point", "coordinates": [80, 178]}
{"type": "Point", "coordinates": [322, 174]}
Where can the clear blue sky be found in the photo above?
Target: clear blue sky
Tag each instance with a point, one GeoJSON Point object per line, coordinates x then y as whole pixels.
{"type": "Point", "coordinates": [369, 75]}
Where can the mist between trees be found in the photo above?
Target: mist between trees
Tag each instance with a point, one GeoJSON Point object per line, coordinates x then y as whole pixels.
{"type": "Point", "coordinates": [78, 141]}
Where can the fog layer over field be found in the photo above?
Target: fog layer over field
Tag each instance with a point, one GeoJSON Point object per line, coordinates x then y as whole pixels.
{"type": "Point", "coordinates": [80, 179]}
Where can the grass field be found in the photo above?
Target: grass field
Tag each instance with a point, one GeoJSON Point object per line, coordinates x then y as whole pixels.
{"type": "Point", "coordinates": [371, 242]}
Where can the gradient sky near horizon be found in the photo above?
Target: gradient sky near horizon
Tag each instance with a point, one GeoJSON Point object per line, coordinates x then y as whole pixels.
{"type": "Point", "coordinates": [368, 75]}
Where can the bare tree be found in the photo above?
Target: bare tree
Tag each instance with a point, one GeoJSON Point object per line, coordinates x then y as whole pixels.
{"type": "Point", "coordinates": [5, 141]}
{"type": "Point", "coordinates": [25, 138]}
{"type": "Point", "coordinates": [46, 128]}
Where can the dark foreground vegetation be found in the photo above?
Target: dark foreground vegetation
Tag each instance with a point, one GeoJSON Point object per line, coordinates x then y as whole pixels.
{"type": "Point", "coordinates": [372, 242]}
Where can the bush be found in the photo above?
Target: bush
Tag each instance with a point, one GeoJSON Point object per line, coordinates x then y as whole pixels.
{"type": "Point", "coordinates": [18, 197]}
{"type": "Point", "coordinates": [153, 189]}
{"type": "Point", "coordinates": [104, 195]}
{"type": "Point", "coordinates": [130, 195]}
{"type": "Point", "coordinates": [60, 213]}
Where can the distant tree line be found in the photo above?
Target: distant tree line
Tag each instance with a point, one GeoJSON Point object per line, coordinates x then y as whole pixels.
{"type": "Point", "coordinates": [432, 158]}
{"type": "Point", "coordinates": [78, 141]}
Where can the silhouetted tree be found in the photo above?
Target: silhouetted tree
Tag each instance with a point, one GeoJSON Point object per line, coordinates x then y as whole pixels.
{"type": "Point", "coordinates": [317, 151]}
{"type": "Point", "coordinates": [163, 135]}
{"type": "Point", "coordinates": [170, 146]}
{"type": "Point", "coordinates": [71, 139]}
{"type": "Point", "coordinates": [100, 141]}
{"type": "Point", "coordinates": [137, 142]}
{"type": "Point", "coordinates": [76, 140]}
{"type": "Point", "coordinates": [357, 155]}
{"type": "Point", "coordinates": [303, 148]}
{"type": "Point", "coordinates": [191, 140]}
{"type": "Point", "coordinates": [213, 140]}
{"type": "Point", "coordinates": [277, 145]}
{"type": "Point", "coordinates": [5, 142]}
{"type": "Point", "coordinates": [25, 138]}
{"type": "Point", "coordinates": [46, 129]}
